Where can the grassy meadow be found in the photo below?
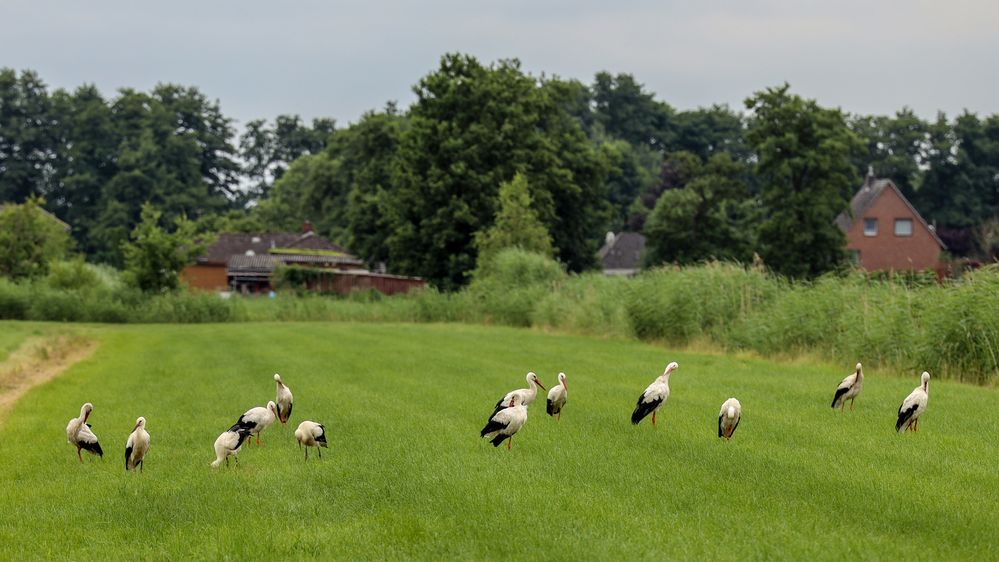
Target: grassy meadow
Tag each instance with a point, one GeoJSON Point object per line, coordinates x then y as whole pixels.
{"type": "Point", "coordinates": [407, 476]}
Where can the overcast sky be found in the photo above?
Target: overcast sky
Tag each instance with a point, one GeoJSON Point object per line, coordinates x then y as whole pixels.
{"type": "Point", "coordinates": [262, 58]}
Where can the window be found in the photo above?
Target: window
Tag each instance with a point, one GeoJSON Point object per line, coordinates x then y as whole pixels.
{"type": "Point", "coordinates": [855, 257]}
{"type": "Point", "coordinates": [870, 227]}
{"type": "Point", "coordinates": [903, 227]}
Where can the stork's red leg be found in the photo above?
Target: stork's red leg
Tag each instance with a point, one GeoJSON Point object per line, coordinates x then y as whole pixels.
{"type": "Point", "coordinates": [851, 403]}
{"type": "Point", "coordinates": [653, 419]}
{"type": "Point", "coordinates": [509, 443]}
{"type": "Point", "coordinates": [78, 454]}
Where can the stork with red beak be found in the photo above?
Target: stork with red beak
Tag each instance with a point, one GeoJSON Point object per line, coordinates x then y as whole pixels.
{"type": "Point", "coordinates": [504, 423]}
{"type": "Point", "coordinates": [557, 397]}
{"type": "Point", "coordinates": [654, 396]}
{"type": "Point", "coordinates": [526, 395]}
{"type": "Point", "coordinates": [79, 435]}
{"type": "Point", "coordinates": [256, 420]}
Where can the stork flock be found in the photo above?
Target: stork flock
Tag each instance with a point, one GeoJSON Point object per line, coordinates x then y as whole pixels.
{"type": "Point", "coordinates": [510, 412]}
{"type": "Point", "coordinates": [251, 424]}
{"type": "Point", "coordinates": [508, 417]}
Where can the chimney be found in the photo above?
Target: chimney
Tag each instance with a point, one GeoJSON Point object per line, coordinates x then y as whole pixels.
{"type": "Point", "coordinates": [869, 180]}
{"type": "Point", "coordinates": [306, 227]}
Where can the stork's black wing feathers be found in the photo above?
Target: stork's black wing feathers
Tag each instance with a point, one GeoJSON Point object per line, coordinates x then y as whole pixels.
{"type": "Point", "coordinates": [719, 426]}
{"type": "Point", "coordinates": [287, 415]}
{"type": "Point", "coordinates": [643, 409]}
{"type": "Point", "coordinates": [243, 434]}
{"type": "Point", "coordinates": [128, 454]}
{"type": "Point", "coordinates": [839, 392]}
{"type": "Point", "coordinates": [94, 447]}
{"type": "Point", "coordinates": [492, 426]}
{"type": "Point", "coordinates": [322, 436]}
{"type": "Point", "coordinates": [737, 422]}
{"type": "Point", "coordinates": [499, 439]}
{"type": "Point", "coordinates": [903, 416]}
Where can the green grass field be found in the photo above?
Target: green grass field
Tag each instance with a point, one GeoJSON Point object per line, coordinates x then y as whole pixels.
{"type": "Point", "coordinates": [408, 477]}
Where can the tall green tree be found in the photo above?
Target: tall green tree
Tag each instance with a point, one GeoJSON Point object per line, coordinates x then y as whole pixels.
{"type": "Point", "coordinates": [516, 224]}
{"type": "Point", "coordinates": [472, 128]}
{"type": "Point", "coordinates": [154, 257]}
{"type": "Point", "coordinates": [268, 150]}
{"type": "Point", "coordinates": [707, 216]}
{"type": "Point", "coordinates": [960, 187]}
{"type": "Point", "coordinates": [895, 147]}
{"type": "Point", "coordinates": [29, 239]}
{"type": "Point", "coordinates": [807, 177]}
{"type": "Point", "coordinates": [27, 144]}
{"type": "Point", "coordinates": [628, 112]}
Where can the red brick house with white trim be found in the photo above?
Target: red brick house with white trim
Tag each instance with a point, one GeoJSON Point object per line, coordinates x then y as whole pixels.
{"type": "Point", "coordinates": [885, 232]}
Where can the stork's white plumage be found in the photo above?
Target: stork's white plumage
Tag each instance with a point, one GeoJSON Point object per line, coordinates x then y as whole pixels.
{"type": "Point", "coordinates": [228, 445]}
{"type": "Point", "coordinates": [849, 388]}
{"type": "Point", "coordinates": [729, 417]}
{"type": "Point", "coordinates": [557, 397]}
{"type": "Point", "coordinates": [913, 406]}
{"type": "Point", "coordinates": [137, 446]}
{"type": "Point", "coordinates": [79, 435]}
{"type": "Point", "coordinates": [258, 419]}
{"type": "Point", "coordinates": [284, 400]}
{"type": "Point", "coordinates": [311, 434]}
{"type": "Point", "coordinates": [504, 423]}
{"type": "Point", "coordinates": [654, 396]}
{"type": "Point", "coordinates": [526, 396]}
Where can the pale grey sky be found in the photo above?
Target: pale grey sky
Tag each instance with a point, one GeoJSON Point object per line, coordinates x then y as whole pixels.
{"type": "Point", "coordinates": [339, 58]}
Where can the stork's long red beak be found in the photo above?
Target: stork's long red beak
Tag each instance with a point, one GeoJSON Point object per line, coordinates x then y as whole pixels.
{"type": "Point", "coordinates": [565, 386]}
{"type": "Point", "coordinates": [541, 385]}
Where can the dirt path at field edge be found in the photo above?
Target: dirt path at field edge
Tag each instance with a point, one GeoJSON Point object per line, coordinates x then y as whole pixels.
{"type": "Point", "coordinates": [38, 360]}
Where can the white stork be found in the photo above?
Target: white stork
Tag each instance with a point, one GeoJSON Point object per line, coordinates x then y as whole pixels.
{"type": "Point", "coordinates": [729, 417]}
{"type": "Point", "coordinates": [283, 400]}
{"type": "Point", "coordinates": [654, 396]}
{"type": "Point", "coordinates": [849, 389]}
{"type": "Point", "coordinates": [504, 423]}
{"type": "Point", "coordinates": [228, 445]}
{"type": "Point", "coordinates": [79, 435]}
{"type": "Point", "coordinates": [557, 397]}
{"type": "Point", "coordinates": [137, 446]}
{"type": "Point", "coordinates": [311, 434]}
{"type": "Point", "coordinates": [256, 420]}
{"type": "Point", "coordinates": [526, 395]}
{"type": "Point", "coordinates": [913, 406]}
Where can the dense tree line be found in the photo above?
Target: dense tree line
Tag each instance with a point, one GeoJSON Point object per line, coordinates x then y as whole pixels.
{"type": "Point", "coordinates": [415, 187]}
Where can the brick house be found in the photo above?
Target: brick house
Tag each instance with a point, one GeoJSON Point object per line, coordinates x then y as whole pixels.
{"type": "Point", "coordinates": [885, 232]}
{"type": "Point", "coordinates": [245, 263]}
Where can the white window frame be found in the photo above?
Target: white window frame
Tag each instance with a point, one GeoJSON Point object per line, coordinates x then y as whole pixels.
{"type": "Point", "coordinates": [875, 231]}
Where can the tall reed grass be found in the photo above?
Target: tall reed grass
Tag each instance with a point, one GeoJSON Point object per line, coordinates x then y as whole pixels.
{"type": "Point", "coordinates": [905, 323]}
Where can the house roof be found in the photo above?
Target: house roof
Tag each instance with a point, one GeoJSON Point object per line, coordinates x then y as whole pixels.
{"type": "Point", "coordinates": [623, 251]}
{"type": "Point", "coordinates": [310, 247]}
{"type": "Point", "coordinates": [868, 194]}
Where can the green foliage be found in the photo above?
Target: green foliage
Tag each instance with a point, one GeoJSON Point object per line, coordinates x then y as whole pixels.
{"type": "Point", "coordinates": [705, 216]}
{"type": "Point", "coordinates": [155, 257]}
{"type": "Point", "coordinates": [807, 178]}
{"type": "Point", "coordinates": [516, 225]}
{"type": "Point", "coordinates": [471, 129]}
{"type": "Point", "coordinates": [30, 238]}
